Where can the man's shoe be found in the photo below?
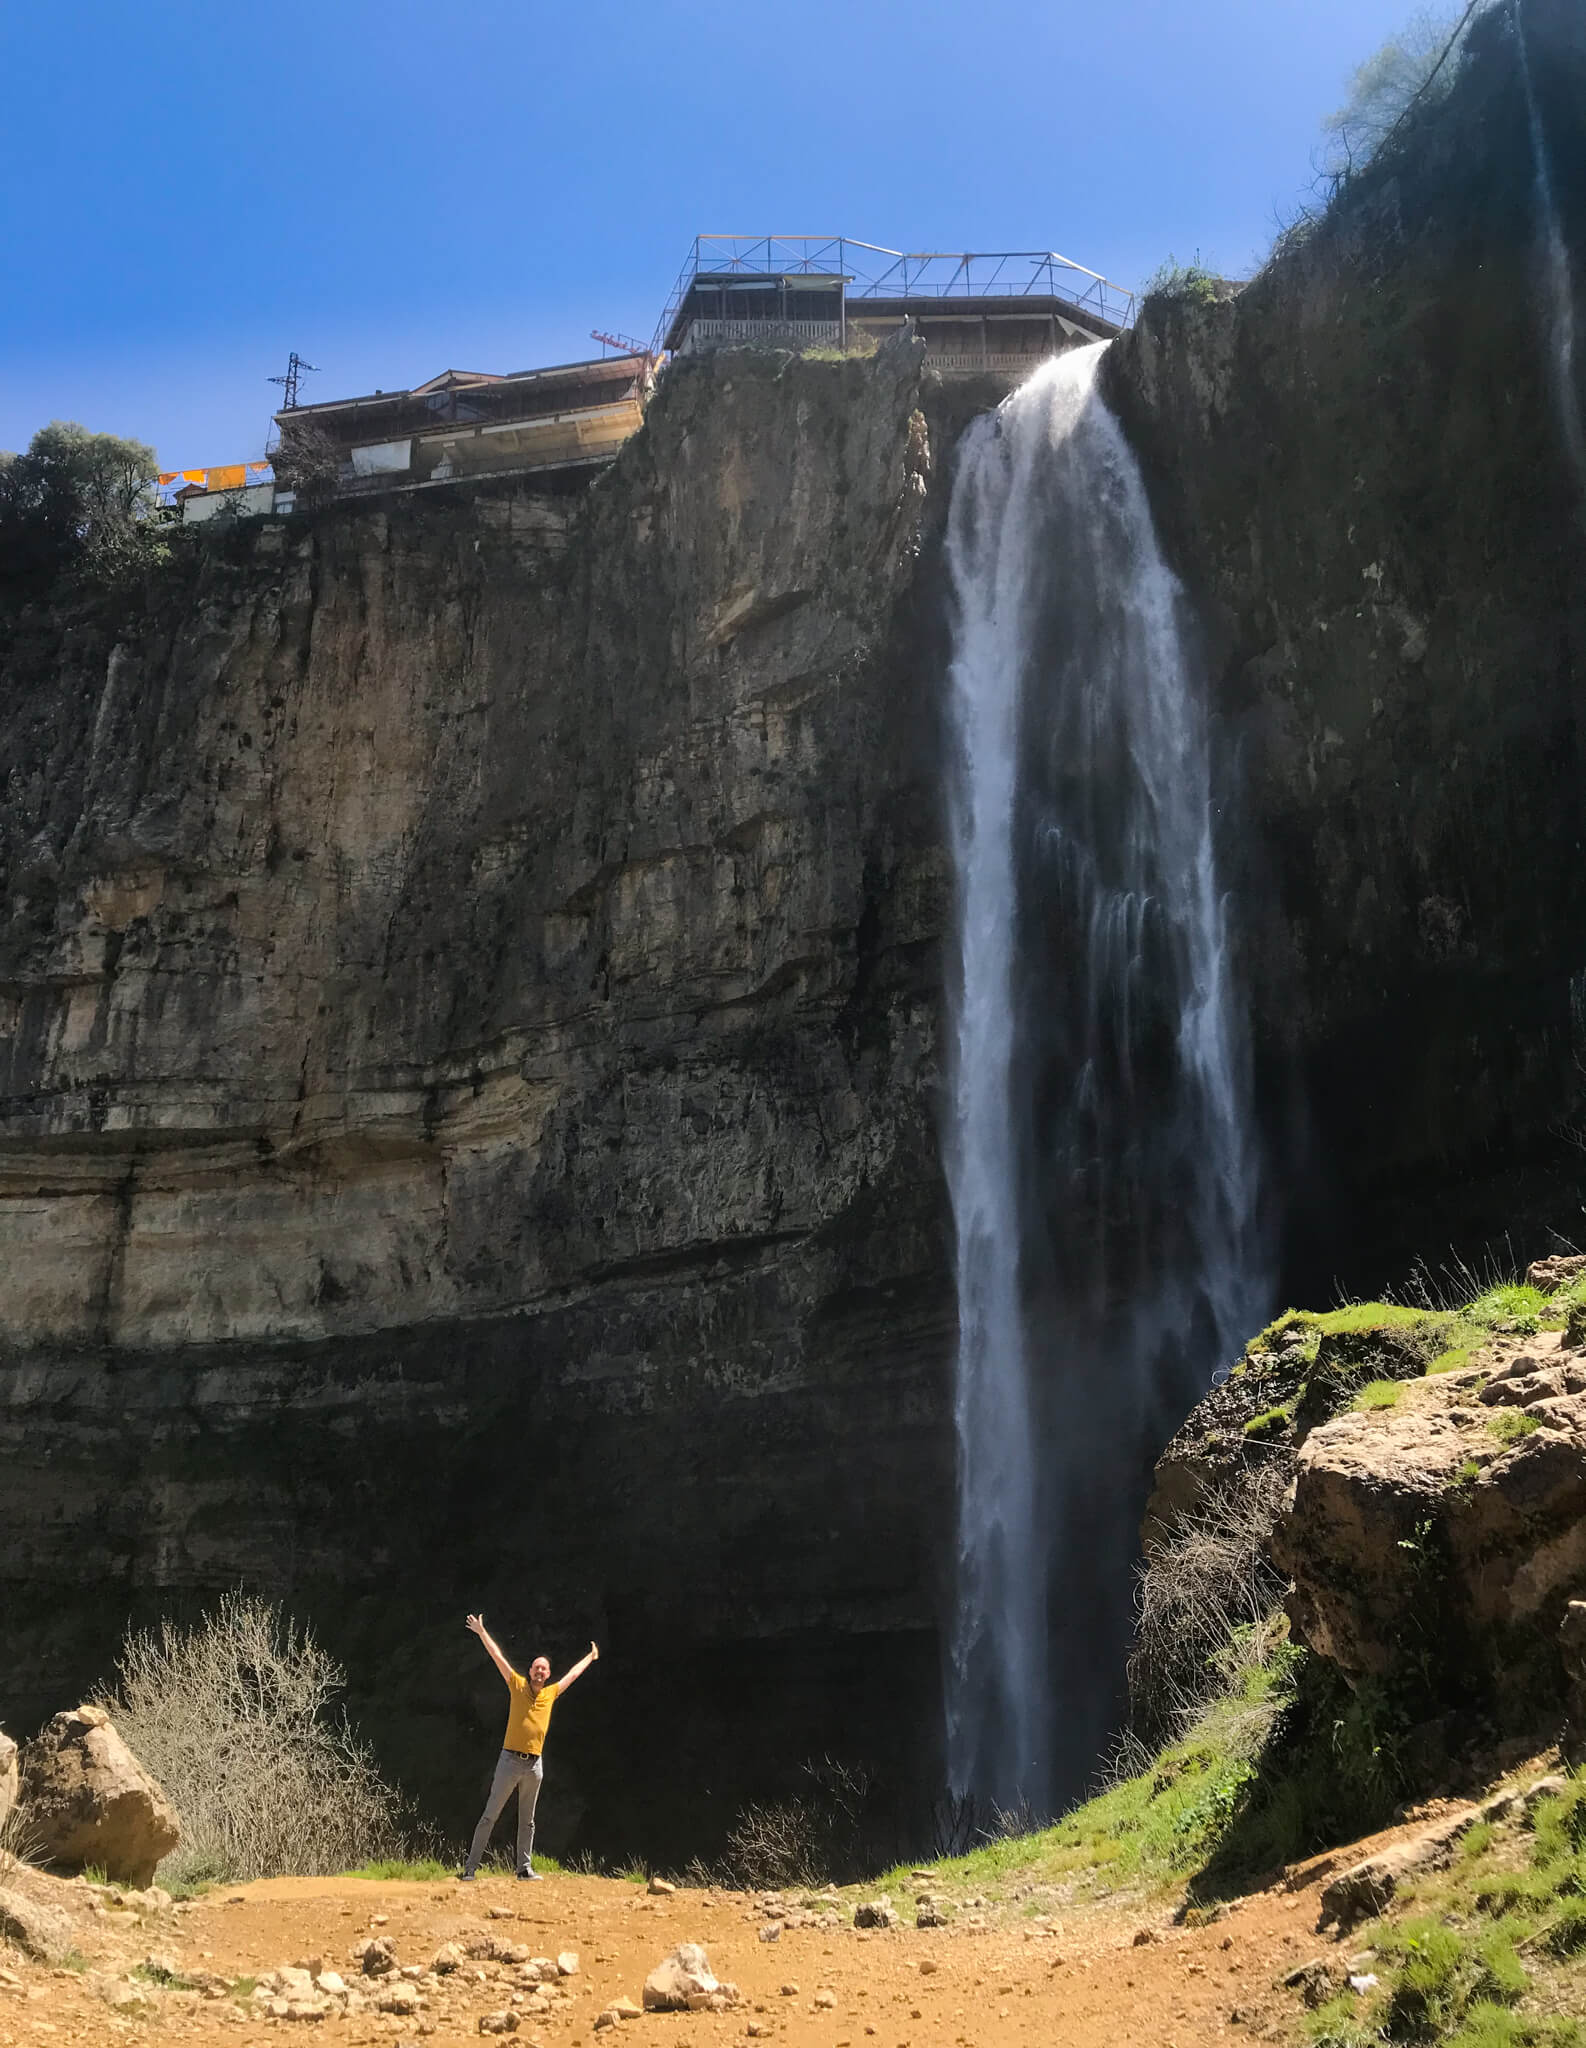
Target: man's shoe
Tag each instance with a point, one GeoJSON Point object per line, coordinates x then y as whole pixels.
{"type": "Point", "coordinates": [465, 1877]}
{"type": "Point", "coordinates": [528, 1877]}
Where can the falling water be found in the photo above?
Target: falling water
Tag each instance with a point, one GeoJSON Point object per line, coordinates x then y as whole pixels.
{"type": "Point", "coordinates": [1099, 1150]}
{"type": "Point", "coordinates": [1559, 291]}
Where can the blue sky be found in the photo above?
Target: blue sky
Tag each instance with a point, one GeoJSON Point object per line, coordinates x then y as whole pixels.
{"type": "Point", "coordinates": [192, 190]}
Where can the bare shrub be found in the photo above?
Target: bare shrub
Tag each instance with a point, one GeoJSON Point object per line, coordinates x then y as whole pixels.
{"type": "Point", "coordinates": [19, 1845]}
{"type": "Point", "coordinates": [232, 1716]}
{"type": "Point", "coordinates": [805, 1840]}
{"type": "Point", "coordinates": [769, 1847]}
{"type": "Point", "coordinates": [1209, 1586]}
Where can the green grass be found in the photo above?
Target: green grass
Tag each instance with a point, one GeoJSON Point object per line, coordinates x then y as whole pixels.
{"type": "Point", "coordinates": [1484, 1946]}
{"type": "Point", "coordinates": [1511, 1305]}
{"type": "Point", "coordinates": [243, 1987]}
{"type": "Point", "coordinates": [399, 1870]}
{"type": "Point", "coordinates": [1271, 1421]}
{"type": "Point", "coordinates": [1378, 1394]}
{"type": "Point", "coordinates": [1511, 1427]}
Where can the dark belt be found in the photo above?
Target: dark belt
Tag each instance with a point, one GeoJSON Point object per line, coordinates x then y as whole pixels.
{"type": "Point", "coordinates": [531, 1756]}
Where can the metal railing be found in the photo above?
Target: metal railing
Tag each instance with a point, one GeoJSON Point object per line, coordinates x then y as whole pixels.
{"type": "Point", "coordinates": [873, 272]}
{"type": "Point", "coordinates": [798, 333]}
{"type": "Point", "coordinates": [974, 362]}
{"type": "Point", "coordinates": [1003, 274]}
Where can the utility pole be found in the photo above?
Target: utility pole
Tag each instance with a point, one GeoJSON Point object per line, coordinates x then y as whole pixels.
{"type": "Point", "coordinates": [295, 367]}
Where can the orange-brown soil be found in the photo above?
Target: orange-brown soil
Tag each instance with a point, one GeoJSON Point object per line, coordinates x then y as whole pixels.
{"type": "Point", "coordinates": [1095, 1976]}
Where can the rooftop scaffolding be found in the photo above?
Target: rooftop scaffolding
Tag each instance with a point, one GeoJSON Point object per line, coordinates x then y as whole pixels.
{"type": "Point", "coordinates": [866, 273]}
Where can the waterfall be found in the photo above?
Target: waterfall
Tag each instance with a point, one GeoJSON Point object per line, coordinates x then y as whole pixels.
{"type": "Point", "coordinates": [1098, 1140]}
{"type": "Point", "coordinates": [1559, 292]}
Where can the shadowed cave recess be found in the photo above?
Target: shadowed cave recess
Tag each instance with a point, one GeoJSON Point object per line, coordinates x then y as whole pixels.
{"type": "Point", "coordinates": [474, 1011]}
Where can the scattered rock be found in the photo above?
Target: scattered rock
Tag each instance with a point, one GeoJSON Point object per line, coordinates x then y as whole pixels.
{"type": "Point", "coordinates": [929, 1914]}
{"type": "Point", "coordinates": [876, 1913]}
{"type": "Point", "coordinates": [401, 1998]}
{"type": "Point", "coordinates": [682, 1982]}
{"type": "Point", "coordinates": [90, 1801]}
{"type": "Point", "coordinates": [619, 2009]}
{"type": "Point", "coordinates": [1547, 1276]}
{"type": "Point", "coordinates": [1313, 1981]}
{"type": "Point", "coordinates": [567, 1963]}
{"type": "Point", "coordinates": [790, 1991]}
{"type": "Point", "coordinates": [1551, 1787]}
{"type": "Point", "coordinates": [9, 1774]}
{"type": "Point", "coordinates": [659, 1887]}
{"type": "Point", "coordinates": [490, 1948]}
{"type": "Point", "coordinates": [41, 1931]}
{"type": "Point", "coordinates": [1143, 1937]}
{"type": "Point", "coordinates": [447, 1957]}
{"type": "Point", "coordinates": [825, 2000]}
{"type": "Point", "coordinates": [377, 1956]}
{"type": "Point", "coordinates": [1366, 1887]}
{"type": "Point", "coordinates": [928, 1966]}
{"type": "Point", "coordinates": [772, 1931]}
{"type": "Point", "coordinates": [505, 2022]}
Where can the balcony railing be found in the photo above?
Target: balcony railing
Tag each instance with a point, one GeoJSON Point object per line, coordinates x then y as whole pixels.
{"type": "Point", "coordinates": [769, 333]}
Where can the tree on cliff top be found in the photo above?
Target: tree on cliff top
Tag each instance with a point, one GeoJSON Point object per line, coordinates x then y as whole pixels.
{"type": "Point", "coordinates": [1418, 61]}
{"type": "Point", "coordinates": [74, 498]}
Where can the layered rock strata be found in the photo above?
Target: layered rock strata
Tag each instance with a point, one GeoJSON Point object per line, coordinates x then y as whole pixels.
{"type": "Point", "coordinates": [468, 1014]}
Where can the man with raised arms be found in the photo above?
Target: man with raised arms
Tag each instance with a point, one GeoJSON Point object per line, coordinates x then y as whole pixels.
{"type": "Point", "coordinates": [519, 1768]}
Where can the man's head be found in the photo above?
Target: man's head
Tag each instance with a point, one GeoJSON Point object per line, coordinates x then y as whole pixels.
{"type": "Point", "coordinates": [540, 1672]}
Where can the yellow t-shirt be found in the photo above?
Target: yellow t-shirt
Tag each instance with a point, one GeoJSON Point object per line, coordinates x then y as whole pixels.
{"type": "Point", "coordinates": [529, 1715]}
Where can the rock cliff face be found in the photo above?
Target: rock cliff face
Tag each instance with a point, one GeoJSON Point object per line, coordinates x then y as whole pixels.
{"type": "Point", "coordinates": [468, 996]}
{"type": "Point", "coordinates": [1361, 468]}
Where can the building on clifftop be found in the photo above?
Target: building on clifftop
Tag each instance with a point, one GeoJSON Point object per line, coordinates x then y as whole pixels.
{"type": "Point", "coordinates": [467, 425]}
{"type": "Point", "coordinates": [978, 312]}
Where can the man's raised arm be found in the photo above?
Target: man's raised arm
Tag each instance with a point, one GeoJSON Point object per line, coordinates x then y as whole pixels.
{"type": "Point", "coordinates": [579, 1668]}
{"type": "Point", "coordinates": [476, 1623]}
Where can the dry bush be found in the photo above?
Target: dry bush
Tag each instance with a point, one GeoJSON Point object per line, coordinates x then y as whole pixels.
{"type": "Point", "coordinates": [232, 1716]}
{"type": "Point", "coordinates": [19, 1846]}
{"type": "Point", "coordinates": [807, 1840]}
{"type": "Point", "coordinates": [1207, 1594]}
{"type": "Point", "coordinates": [772, 1847]}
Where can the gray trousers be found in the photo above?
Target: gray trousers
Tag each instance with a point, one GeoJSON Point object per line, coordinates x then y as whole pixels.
{"type": "Point", "coordinates": [514, 1773]}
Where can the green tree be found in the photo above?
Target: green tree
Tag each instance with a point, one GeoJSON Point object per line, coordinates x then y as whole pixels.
{"type": "Point", "coordinates": [73, 498]}
{"type": "Point", "coordinates": [1418, 60]}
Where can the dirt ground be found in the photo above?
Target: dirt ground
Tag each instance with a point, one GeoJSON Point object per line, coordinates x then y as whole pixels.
{"type": "Point", "coordinates": [1093, 1976]}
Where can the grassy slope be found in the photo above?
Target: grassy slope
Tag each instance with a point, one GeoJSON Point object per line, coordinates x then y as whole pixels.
{"type": "Point", "coordinates": [1285, 1761]}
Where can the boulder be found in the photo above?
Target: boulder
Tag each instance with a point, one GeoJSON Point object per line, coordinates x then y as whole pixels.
{"type": "Point", "coordinates": [90, 1802]}
{"type": "Point", "coordinates": [10, 1776]}
{"type": "Point", "coordinates": [684, 1974]}
{"type": "Point", "coordinates": [1549, 1275]}
{"type": "Point", "coordinates": [1365, 1889]}
{"type": "Point", "coordinates": [41, 1931]}
{"type": "Point", "coordinates": [1440, 1540]}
